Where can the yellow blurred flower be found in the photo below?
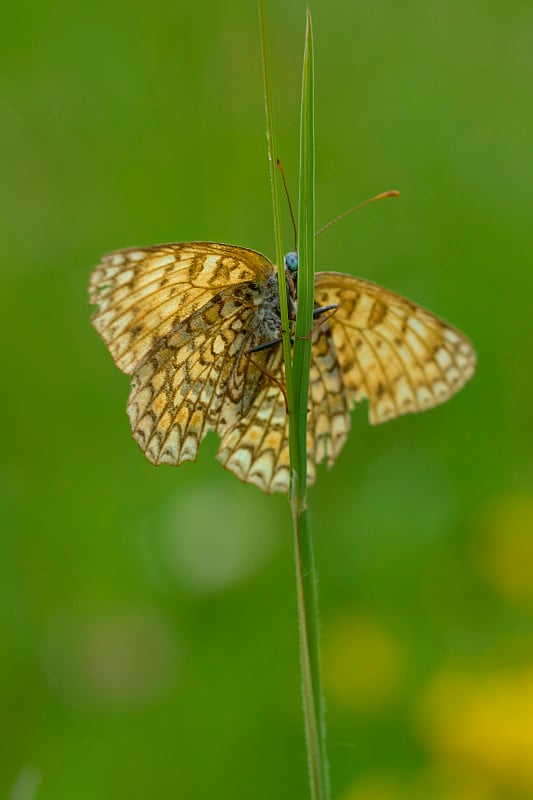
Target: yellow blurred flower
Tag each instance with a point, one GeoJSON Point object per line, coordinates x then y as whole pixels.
{"type": "Point", "coordinates": [504, 547]}
{"type": "Point", "coordinates": [363, 663]}
{"type": "Point", "coordinates": [434, 783]}
{"type": "Point", "coordinates": [374, 788]}
{"type": "Point", "coordinates": [484, 722]}
{"type": "Point", "coordinates": [443, 781]}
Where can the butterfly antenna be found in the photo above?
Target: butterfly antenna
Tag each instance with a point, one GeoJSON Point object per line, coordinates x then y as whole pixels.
{"type": "Point", "coordinates": [390, 193]}
{"type": "Point", "coordinates": [280, 165]}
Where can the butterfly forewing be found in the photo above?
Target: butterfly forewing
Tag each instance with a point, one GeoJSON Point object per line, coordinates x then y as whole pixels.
{"type": "Point", "coordinates": [143, 294]}
{"type": "Point", "coordinates": [391, 351]}
{"type": "Point", "coordinates": [181, 318]}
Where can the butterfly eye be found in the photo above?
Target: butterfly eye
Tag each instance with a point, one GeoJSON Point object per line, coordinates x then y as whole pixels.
{"type": "Point", "coordinates": [291, 261]}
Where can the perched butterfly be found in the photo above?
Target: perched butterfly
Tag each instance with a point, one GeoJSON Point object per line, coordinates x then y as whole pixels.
{"type": "Point", "coordinates": [197, 325]}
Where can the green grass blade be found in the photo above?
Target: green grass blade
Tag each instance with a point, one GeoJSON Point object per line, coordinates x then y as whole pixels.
{"type": "Point", "coordinates": [306, 257]}
{"type": "Point", "coordinates": [274, 181]}
{"type": "Point", "coordinates": [313, 699]}
{"type": "Point", "coordinates": [297, 386]}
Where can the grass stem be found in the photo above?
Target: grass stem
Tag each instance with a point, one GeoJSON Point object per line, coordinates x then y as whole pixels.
{"type": "Point", "coordinates": [297, 385]}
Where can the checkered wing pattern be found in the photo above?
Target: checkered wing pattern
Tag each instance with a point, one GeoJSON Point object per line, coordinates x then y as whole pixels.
{"type": "Point", "coordinates": [196, 326]}
{"type": "Point", "coordinates": [180, 319]}
{"type": "Point", "coordinates": [377, 346]}
{"type": "Point", "coordinates": [392, 352]}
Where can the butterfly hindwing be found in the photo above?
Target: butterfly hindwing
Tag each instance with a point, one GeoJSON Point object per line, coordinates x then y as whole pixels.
{"type": "Point", "coordinates": [256, 449]}
{"type": "Point", "coordinates": [201, 377]}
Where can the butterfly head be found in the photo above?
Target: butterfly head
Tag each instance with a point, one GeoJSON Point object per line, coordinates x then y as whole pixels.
{"type": "Point", "coordinates": [291, 261]}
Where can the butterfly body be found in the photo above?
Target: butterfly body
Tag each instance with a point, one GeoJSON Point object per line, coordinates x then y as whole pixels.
{"type": "Point", "coordinates": [197, 325]}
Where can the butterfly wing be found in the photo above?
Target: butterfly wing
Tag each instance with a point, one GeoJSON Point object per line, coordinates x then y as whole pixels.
{"type": "Point", "coordinates": [256, 448]}
{"type": "Point", "coordinates": [197, 379]}
{"type": "Point", "coordinates": [180, 318]}
{"type": "Point", "coordinates": [143, 294]}
{"type": "Point", "coordinates": [378, 345]}
{"type": "Point", "coordinates": [391, 351]}
{"type": "Point", "coordinates": [183, 318]}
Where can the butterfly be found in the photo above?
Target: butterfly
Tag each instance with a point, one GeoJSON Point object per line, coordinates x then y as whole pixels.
{"type": "Point", "coordinates": [197, 326]}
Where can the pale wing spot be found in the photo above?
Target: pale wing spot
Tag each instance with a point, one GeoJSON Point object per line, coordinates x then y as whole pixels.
{"type": "Point", "coordinates": [143, 429]}
{"type": "Point", "coordinates": [424, 397]}
{"type": "Point", "coordinates": [451, 336]}
{"type": "Point", "coordinates": [240, 462]}
{"type": "Point", "coordinates": [417, 326]}
{"type": "Point", "coordinates": [219, 345]}
{"type": "Point", "coordinates": [116, 325]}
{"type": "Point", "coordinates": [143, 399]}
{"type": "Point", "coordinates": [453, 375]}
{"type": "Point", "coordinates": [281, 480]}
{"type": "Point", "coordinates": [404, 393]}
{"type": "Point", "coordinates": [330, 382]}
{"type": "Point", "coordinates": [432, 370]}
{"type": "Point", "coordinates": [461, 360]}
{"type": "Point", "coordinates": [443, 358]}
{"type": "Point", "coordinates": [415, 344]}
{"type": "Point", "coordinates": [163, 261]}
{"type": "Point", "coordinates": [110, 272]}
{"type": "Point", "coordinates": [119, 295]}
{"type": "Point", "coordinates": [148, 283]}
{"type": "Point", "coordinates": [363, 310]}
{"type": "Point", "coordinates": [321, 425]}
{"type": "Point", "coordinates": [262, 468]}
{"type": "Point", "coordinates": [365, 356]}
{"type": "Point", "coordinates": [440, 390]}
{"type": "Point", "coordinates": [211, 264]}
{"type": "Point", "coordinates": [338, 426]}
{"type": "Point", "coordinates": [124, 277]}
{"type": "Point", "coordinates": [258, 479]}
{"type": "Point", "coordinates": [171, 451]}
{"type": "Point", "coordinates": [318, 389]}
{"type": "Point", "coordinates": [189, 449]}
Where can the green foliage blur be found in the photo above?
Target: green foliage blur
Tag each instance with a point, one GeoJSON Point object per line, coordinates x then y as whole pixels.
{"type": "Point", "coordinates": [148, 621]}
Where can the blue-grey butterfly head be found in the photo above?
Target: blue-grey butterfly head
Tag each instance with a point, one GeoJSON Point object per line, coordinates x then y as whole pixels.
{"type": "Point", "coordinates": [291, 261]}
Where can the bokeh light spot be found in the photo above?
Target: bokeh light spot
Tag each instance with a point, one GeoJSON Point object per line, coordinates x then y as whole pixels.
{"type": "Point", "coordinates": [127, 658]}
{"type": "Point", "coordinates": [504, 547]}
{"type": "Point", "coordinates": [214, 538]}
{"type": "Point", "coordinates": [484, 722]}
{"type": "Point", "coordinates": [363, 663]}
{"type": "Point", "coordinates": [372, 788]}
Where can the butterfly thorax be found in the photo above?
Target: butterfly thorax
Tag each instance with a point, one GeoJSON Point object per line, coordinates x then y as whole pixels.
{"type": "Point", "coordinates": [266, 300]}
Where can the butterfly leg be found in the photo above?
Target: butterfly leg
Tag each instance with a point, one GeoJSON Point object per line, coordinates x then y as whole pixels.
{"type": "Point", "coordinates": [264, 346]}
{"type": "Point", "coordinates": [328, 312]}
{"type": "Point", "coordinates": [268, 374]}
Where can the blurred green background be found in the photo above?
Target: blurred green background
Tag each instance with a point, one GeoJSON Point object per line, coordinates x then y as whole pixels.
{"type": "Point", "coordinates": [148, 624]}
